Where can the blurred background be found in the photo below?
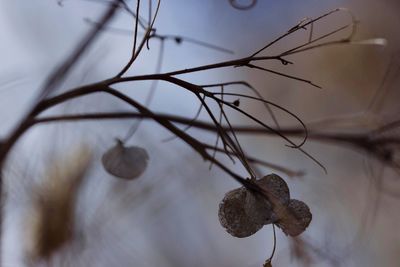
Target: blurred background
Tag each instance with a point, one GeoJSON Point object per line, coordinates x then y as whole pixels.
{"type": "Point", "coordinates": [168, 217]}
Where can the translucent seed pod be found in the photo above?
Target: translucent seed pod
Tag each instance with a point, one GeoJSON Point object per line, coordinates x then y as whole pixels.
{"type": "Point", "coordinates": [233, 216]}
{"type": "Point", "coordinates": [125, 162]}
{"type": "Point", "coordinates": [242, 4]}
{"type": "Point", "coordinates": [242, 213]}
{"type": "Point", "coordinates": [302, 218]}
{"type": "Point", "coordinates": [276, 186]}
{"type": "Point", "coordinates": [258, 208]}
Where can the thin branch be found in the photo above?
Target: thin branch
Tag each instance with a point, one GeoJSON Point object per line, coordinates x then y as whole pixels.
{"type": "Point", "coordinates": [150, 95]}
{"type": "Point", "coordinates": [175, 119]}
{"type": "Point", "coordinates": [194, 143]}
{"type": "Point", "coordinates": [226, 139]}
{"type": "Point", "coordinates": [240, 152]}
{"type": "Point", "coordinates": [283, 75]}
{"type": "Point", "coordinates": [299, 48]}
{"type": "Point", "coordinates": [136, 28]}
{"type": "Point", "coordinates": [299, 26]}
{"type": "Point", "coordinates": [171, 37]}
{"type": "Point", "coordinates": [279, 107]}
{"type": "Point", "coordinates": [196, 116]}
{"type": "Point", "coordinates": [124, 6]}
{"type": "Point", "coordinates": [220, 122]}
{"type": "Point", "coordinates": [196, 90]}
{"type": "Point", "coordinates": [254, 90]}
{"type": "Point", "coordinates": [62, 71]}
{"type": "Point", "coordinates": [140, 47]}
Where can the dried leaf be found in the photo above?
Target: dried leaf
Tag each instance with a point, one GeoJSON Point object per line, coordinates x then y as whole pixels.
{"type": "Point", "coordinates": [267, 263]}
{"type": "Point", "coordinates": [51, 220]}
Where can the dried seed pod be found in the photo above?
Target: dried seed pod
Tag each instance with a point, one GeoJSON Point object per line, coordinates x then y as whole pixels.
{"type": "Point", "coordinates": [243, 6]}
{"type": "Point", "coordinates": [302, 218]}
{"type": "Point", "coordinates": [125, 162]}
{"type": "Point", "coordinates": [242, 213]}
{"type": "Point", "coordinates": [258, 208]}
{"type": "Point", "coordinates": [276, 186]}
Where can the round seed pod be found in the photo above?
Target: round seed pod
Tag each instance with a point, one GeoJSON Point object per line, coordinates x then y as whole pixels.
{"type": "Point", "coordinates": [302, 215]}
{"type": "Point", "coordinates": [276, 186]}
{"type": "Point", "coordinates": [243, 5]}
{"type": "Point", "coordinates": [238, 216]}
{"type": "Point", "coordinates": [125, 162]}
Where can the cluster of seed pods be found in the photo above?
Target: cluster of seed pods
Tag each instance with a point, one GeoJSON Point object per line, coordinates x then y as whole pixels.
{"type": "Point", "coordinates": [243, 212]}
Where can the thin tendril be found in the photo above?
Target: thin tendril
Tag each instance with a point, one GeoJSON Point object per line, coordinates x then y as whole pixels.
{"type": "Point", "coordinates": [255, 91]}
{"type": "Point", "coordinates": [187, 127]}
{"type": "Point", "coordinates": [284, 75]}
{"type": "Point", "coordinates": [150, 95]}
{"type": "Point", "coordinates": [279, 107]}
{"type": "Point", "coordinates": [268, 261]}
{"type": "Point", "coordinates": [220, 122]}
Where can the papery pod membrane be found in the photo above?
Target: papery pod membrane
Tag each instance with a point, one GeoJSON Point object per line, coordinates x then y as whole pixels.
{"type": "Point", "coordinates": [258, 208]}
{"type": "Point", "coordinates": [243, 212]}
{"type": "Point", "coordinates": [233, 215]}
{"type": "Point", "coordinates": [125, 162]}
{"type": "Point", "coordinates": [243, 4]}
{"type": "Point", "coordinates": [300, 220]}
{"type": "Point", "coordinates": [276, 186]}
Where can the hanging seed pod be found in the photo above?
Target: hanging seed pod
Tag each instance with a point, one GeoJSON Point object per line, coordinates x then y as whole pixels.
{"type": "Point", "coordinates": [302, 218]}
{"type": "Point", "coordinates": [125, 162]}
{"type": "Point", "coordinates": [233, 216]}
{"type": "Point", "coordinates": [276, 186]}
{"type": "Point", "coordinates": [258, 208]}
{"type": "Point", "coordinates": [243, 5]}
{"type": "Point", "coordinates": [242, 213]}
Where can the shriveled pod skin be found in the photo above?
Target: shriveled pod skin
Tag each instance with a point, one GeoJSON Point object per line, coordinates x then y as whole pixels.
{"type": "Point", "coordinates": [276, 186]}
{"type": "Point", "coordinates": [302, 218]}
{"type": "Point", "coordinates": [234, 216]}
{"type": "Point", "coordinates": [125, 162]}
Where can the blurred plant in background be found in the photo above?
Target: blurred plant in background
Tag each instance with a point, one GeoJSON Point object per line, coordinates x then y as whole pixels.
{"type": "Point", "coordinates": [160, 218]}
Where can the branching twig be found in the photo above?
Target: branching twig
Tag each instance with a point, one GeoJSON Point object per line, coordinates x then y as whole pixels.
{"type": "Point", "coordinates": [375, 143]}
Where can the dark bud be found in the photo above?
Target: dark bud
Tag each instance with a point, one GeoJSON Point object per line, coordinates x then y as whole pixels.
{"type": "Point", "coordinates": [178, 40]}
